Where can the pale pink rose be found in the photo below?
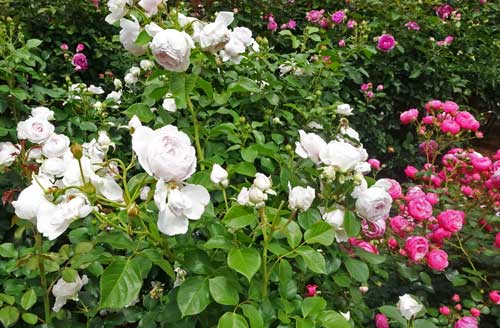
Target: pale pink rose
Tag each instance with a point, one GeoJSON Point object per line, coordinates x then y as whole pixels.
{"type": "Point", "coordinates": [466, 322]}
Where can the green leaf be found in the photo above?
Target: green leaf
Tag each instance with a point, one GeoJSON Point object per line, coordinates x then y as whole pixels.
{"type": "Point", "coordinates": [69, 274]}
{"type": "Point", "coordinates": [312, 306]}
{"type": "Point", "coordinates": [120, 283]}
{"type": "Point", "coordinates": [321, 233]}
{"type": "Point", "coordinates": [239, 216]}
{"type": "Point", "coordinates": [393, 313]}
{"type": "Point", "coordinates": [28, 299]}
{"type": "Point", "coordinates": [249, 154]}
{"type": "Point", "coordinates": [157, 258]}
{"type": "Point", "coordinates": [286, 285]}
{"type": "Point", "coordinates": [244, 168]}
{"type": "Point", "coordinates": [232, 320]}
{"type": "Point", "coordinates": [193, 296]}
{"type": "Point", "coordinates": [8, 250]}
{"type": "Point", "coordinates": [223, 291]}
{"type": "Point", "coordinates": [142, 111]}
{"type": "Point", "coordinates": [304, 323]}
{"type": "Point", "coordinates": [33, 43]}
{"type": "Point", "coordinates": [178, 88]}
{"type": "Point", "coordinates": [244, 84]}
{"type": "Point", "coordinates": [352, 225]}
{"type": "Point", "coordinates": [332, 319]}
{"type": "Point", "coordinates": [30, 318]}
{"type": "Point", "coordinates": [9, 316]}
{"type": "Point", "coordinates": [115, 238]}
{"type": "Point", "coordinates": [245, 261]}
{"type": "Point", "coordinates": [88, 126]}
{"type": "Point", "coordinates": [254, 315]}
{"type": "Point", "coordinates": [358, 270]}
{"type": "Point", "coordinates": [293, 234]}
{"type": "Point", "coordinates": [313, 259]}
{"type": "Point", "coordinates": [9, 299]}
{"type": "Point", "coordinates": [423, 323]}
{"type": "Point", "coordinates": [143, 38]}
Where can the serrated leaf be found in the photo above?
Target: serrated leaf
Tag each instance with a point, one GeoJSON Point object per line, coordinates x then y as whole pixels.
{"type": "Point", "coordinates": [357, 270]}
{"type": "Point", "coordinates": [239, 216]}
{"type": "Point", "coordinates": [313, 259]}
{"type": "Point", "coordinates": [245, 261]}
{"type": "Point", "coordinates": [120, 283]}
{"type": "Point", "coordinates": [321, 233]}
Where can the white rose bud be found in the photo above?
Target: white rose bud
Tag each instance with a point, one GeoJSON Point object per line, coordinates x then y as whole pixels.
{"type": "Point", "coordinates": [408, 306]}
{"type": "Point", "coordinates": [344, 109]}
{"type": "Point", "coordinates": [335, 218]}
{"type": "Point", "coordinates": [374, 204]}
{"type": "Point", "coordinates": [146, 64]}
{"type": "Point", "coordinates": [130, 78]}
{"type": "Point", "coordinates": [257, 196]}
{"type": "Point", "coordinates": [118, 84]}
{"type": "Point", "coordinates": [169, 103]}
{"type": "Point", "coordinates": [171, 49]}
{"type": "Point", "coordinates": [301, 198]}
{"type": "Point", "coordinates": [219, 176]}
{"type": "Point", "coordinates": [262, 182]}
{"type": "Point", "coordinates": [35, 130]}
{"type": "Point", "coordinates": [135, 70]}
{"type": "Point", "coordinates": [310, 146]}
{"type": "Point", "coordinates": [115, 96]}
{"type": "Point", "coordinates": [165, 153]}
{"type": "Point", "coordinates": [244, 196]}
{"type": "Point", "coordinates": [8, 153]}
{"type": "Point", "coordinates": [95, 90]}
{"type": "Point", "coordinates": [55, 146]}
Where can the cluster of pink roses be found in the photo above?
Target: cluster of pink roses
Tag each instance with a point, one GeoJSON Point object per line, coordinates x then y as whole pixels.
{"type": "Point", "coordinates": [79, 60]}
{"type": "Point", "coordinates": [367, 89]}
{"type": "Point", "coordinates": [272, 25]}
{"type": "Point", "coordinates": [318, 17]}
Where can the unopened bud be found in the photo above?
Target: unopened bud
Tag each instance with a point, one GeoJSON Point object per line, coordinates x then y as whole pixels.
{"type": "Point", "coordinates": [133, 210]}
{"type": "Point", "coordinates": [76, 150]}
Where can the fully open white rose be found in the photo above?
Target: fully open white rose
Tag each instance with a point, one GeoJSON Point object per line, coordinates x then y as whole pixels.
{"type": "Point", "coordinates": [239, 39]}
{"type": "Point", "coordinates": [42, 113]}
{"type": "Point", "coordinates": [150, 6]}
{"type": "Point", "coordinates": [300, 198]}
{"type": "Point", "coordinates": [219, 175]}
{"type": "Point", "coordinates": [95, 90]}
{"type": "Point", "coordinates": [408, 306]}
{"type": "Point", "coordinates": [184, 204]}
{"type": "Point", "coordinates": [31, 199]}
{"type": "Point", "coordinates": [128, 34]}
{"type": "Point", "coordinates": [115, 96]}
{"type": "Point", "coordinates": [214, 36]}
{"type": "Point", "coordinates": [118, 9]}
{"type": "Point", "coordinates": [335, 218]}
{"type": "Point", "coordinates": [165, 153]}
{"type": "Point", "coordinates": [35, 130]}
{"type": "Point", "coordinates": [171, 49]}
{"type": "Point", "coordinates": [55, 146]}
{"type": "Point", "coordinates": [374, 204]}
{"type": "Point", "coordinates": [344, 109]}
{"type": "Point", "coordinates": [8, 153]}
{"type": "Point", "coordinates": [340, 154]}
{"type": "Point", "coordinates": [310, 146]}
{"type": "Point", "coordinates": [64, 291]}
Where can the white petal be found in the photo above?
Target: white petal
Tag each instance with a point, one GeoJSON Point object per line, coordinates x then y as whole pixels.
{"type": "Point", "coordinates": [140, 142]}
{"type": "Point", "coordinates": [199, 198]}
{"type": "Point", "coordinates": [170, 224]}
{"type": "Point", "coordinates": [225, 18]}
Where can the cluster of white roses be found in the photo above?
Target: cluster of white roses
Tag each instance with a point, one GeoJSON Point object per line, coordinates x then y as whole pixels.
{"type": "Point", "coordinates": [56, 195]}
{"type": "Point", "coordinates": [257, 194]}
{"type": "Point", "coordinates": [167, 155]}
{"type": "Point", "coordinates": [345, 158]}
{"type": "Point", "coordinates": [171, 48]}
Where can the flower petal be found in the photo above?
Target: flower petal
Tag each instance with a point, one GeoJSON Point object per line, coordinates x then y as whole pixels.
{"type": "Point", "coordinates": [170, 224]}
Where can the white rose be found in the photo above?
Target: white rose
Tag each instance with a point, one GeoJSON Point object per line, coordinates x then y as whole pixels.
{"type": "Point", "coordinates": [53, 167]}
{"type": "Point", "coordinates": [94, 151]}
{"type": "Point", "coordinates": [134, 123]}
{"type": "Point", "coordinates": [35, 130]}
{"type": "Point", "coordinates": [115, 96]}
{"type": "Point", "coordinates": [363, 168]}
{"type": "Point", "coordinates": [262, 182]}
{"type": "Point", "coordinates": [340, 154]}
{"type": "Point", "coordinates": [152, 29]}
{"type": "Point", "coordinates": [42, 113]}
{"type": "Point", "coordinates": [34, 153]}
{"type": "Point", "coordinates": [239, 39]}
{"type": "Point", "coordinates": [359, 189]}
{"type": "Point", "coordinates": [118, 84]}
{"type": "Point", "coordinates": [335, 218]}
{"type": "Point", "coordinates": [129, 33]}
{"type": "Point", "coordinates": [146, 64]}
{"type": "Point", "coordinates": [165, 153]}
{"type": "Point", "coordinates": [256, 196]}
{"type": "Point", "coordinates": [53, 220]}
{"type": "Point", "coordinates": [118, 9]}
{"type": "Point", "coordinates": [344, 109]}
{"type": "Point", "coordinates": [55, 146]}
{"type": "Point", "coordinates": [95, 90]}
{"type": "Point", "coordinates": [408, 306]}
{"type": "Point", "coordinates": [300, 198]}
{"type": "Point", "coordinates": [285, 69]}
{"type": "Point", "coordinates": [171, 49]}
{"type": "Point", "coordinates": [103, 139]}
{"type": "Point", "coordinates": [244, 196]}
{"type": "Point", "coordinates": [187, 203]}
{"type": "Point", "coordinates": [350, 132]}
{"type": "Point", "coordinates": [213, 37]}
{"type": "Point", "coordinates": [374, 204]}
{"type": "Point", "coordinates": [150, 6]}
{"type": "Point", "coordinates": [64, 291]}
{"type": "Point", "coordinates": [219, 176]}
{"type": "Point", "coordinates": [8, 153]}
{"type": "Point", "coordinates": [107, 186]}
{"type": "Point", "coordinates": [310, 146]}
{"type": "Point", "coordinates": [169, 103]}
{"type": "Point", "coordinates": [130, 78]}
{"type": "Point", "coordinates": [31, 199]}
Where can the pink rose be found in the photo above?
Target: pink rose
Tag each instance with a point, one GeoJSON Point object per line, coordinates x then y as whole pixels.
{"type": "Point", "coordinates": [414, 192]}
{"type": "Point", "coordinates": [271, 24]}
{"type": "Point", "coordinates": [433, 105]}
{"type": "Point", "coordinates": [448, 40]}
{"type": "Point", "coordinates": [412, 26]}
{"type": "Point", "coordinates": [416, 247]}
{"type": "Point", "coordinates": [455, 298]}
{"type": "Point", "coordinates": [292, 24]}
{"type": "Point", "coordinates": [366, 86]}
{"type": "Point", "coordinates": [80, 62]}
{"type": "Point", "coordinates": [475, 312]}
{"type": "Point", "coordinates": [64, 47]}
{"type": "Point", "coordinates": [450, 126]}
{"type": "Point", "coordinates": [466, 322]}
{"type": "Point", "coordinates": [432, 198]}
{"type": "Point", "coordinates": [373, 229]}
{"type": "Point", "coordinates": [311, 290]}
{"type": "Point", "coordinates": [437, 260]}
{"type": "Point", "coordinates": [374, 163]}
{"type": "Point", "coordinates": [392, 187]}
{"type": "Point", "coordinates": [494, 297]}
{"type": "Point", "coordinates": [481, 163]}
{"type": "Point", "coordinates": [392, 243]}
{"type": "Point", "coordinates": [428, 119]}
{"type": "Point", "coordinates": [444, 310]}
{"type": "Point", "coordinates": [438, 235]}
{"type": "Point", "coordinates": [450, 107]}
{"type": "Point", "coordinates": [338, 16]}
{"type": "Point", "coordinates": [315, 16]}
{"type": "Point", "coordinates": [386, 42]}
{"type": "Point", "coordinates": [408, 116]}
{"type": "Point", "coordinates": [381, 321]}
{"type": "Point", "coordinates": [497, 240]}
{"type": "Point", "coordinates": [467, 121]}
{"type": "Point", "coordinates": [399, 225]}
{"type": "Point", "coordinates": [420, 209]}
{"type": "Point", "coordinates": [80, 47]}
{"type": "Point", "coordinates": [364, 245]}
{"type": "Point", "coordinates": [380, 87]}
{"type": "Point", "coordinates": [342, 43]}
{"type": "Point", "coordinates": [444, 11]}
{"type": "Point", "coordinates": [411, 172]}
{"type": "Point", "coordinates": [451, 220]}
{"type": "Point", "coordinates": [351, 24]}
{"type": "Point", "coordinates": [370, 94]}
